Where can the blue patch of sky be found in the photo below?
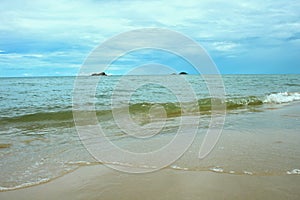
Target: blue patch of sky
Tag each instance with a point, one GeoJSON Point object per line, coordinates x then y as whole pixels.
{"type": "Point", "coordinates": [134, 59]}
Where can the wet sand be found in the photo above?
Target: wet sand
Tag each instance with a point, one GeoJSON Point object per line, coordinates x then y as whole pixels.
{"type": "Point", "coordinates": [100, 182]}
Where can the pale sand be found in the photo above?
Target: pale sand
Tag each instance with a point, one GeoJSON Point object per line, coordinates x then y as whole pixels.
{"type": "Point", "coordinates": [100, 182]}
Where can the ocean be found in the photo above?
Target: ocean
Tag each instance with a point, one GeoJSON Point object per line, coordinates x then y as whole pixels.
{"type": "Point", "coordinates": [39, 140]}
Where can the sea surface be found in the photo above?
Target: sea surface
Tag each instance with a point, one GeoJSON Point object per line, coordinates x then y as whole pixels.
{"type": "Point", "coordinates": [39, 141]}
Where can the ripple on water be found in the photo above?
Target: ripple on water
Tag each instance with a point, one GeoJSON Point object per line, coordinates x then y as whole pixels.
{"type": "Point", "coordinates": [6, 145]}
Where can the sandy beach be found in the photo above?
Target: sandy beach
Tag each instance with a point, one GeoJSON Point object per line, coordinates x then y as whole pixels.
{"type": "Point", "coordinates": [100, 182]}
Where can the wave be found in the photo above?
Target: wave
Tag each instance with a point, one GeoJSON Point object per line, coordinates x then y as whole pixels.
{"type": "Point", "coordinates": [292, 84]}
{"type": "Point", "coordinates": [173, 109]}
{"type": "Point", "coordinates": [283, 97]}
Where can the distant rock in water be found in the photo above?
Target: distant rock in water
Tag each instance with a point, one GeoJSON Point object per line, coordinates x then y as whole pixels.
{"type": "Point", "coordinates": [183, 73]}
{"type": "Point", "coordinates": [99, 74]}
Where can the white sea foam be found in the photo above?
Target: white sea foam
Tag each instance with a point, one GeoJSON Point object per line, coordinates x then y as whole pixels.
{"type": "Point", "coordinates": [217, 169]}
{"type": "Point", "coordinates": [294, 171]}
{"type": "Point", "coordinates": [282, 97]}
{"type": "Point", "coordinates": [23, 185]}
{"type": "Point", "coordinates": [179, 168]}
{"type": "Point", "coordinates": [79, 163]}
{"type": "Point", "coordinates": [248, 173]}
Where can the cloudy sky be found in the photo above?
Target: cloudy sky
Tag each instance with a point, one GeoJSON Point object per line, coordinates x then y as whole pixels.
{"type": "Point", "coordinates": [41, 38]}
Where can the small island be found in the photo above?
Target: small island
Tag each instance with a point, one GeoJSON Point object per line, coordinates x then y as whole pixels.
{"type": "Point", "coordinates": [183, 73]}
{"type": "Point", "coordinates": [99, 74]}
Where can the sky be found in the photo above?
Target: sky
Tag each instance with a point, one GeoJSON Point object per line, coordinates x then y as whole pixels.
{"type": "Point", "coordinates": [54, 38]}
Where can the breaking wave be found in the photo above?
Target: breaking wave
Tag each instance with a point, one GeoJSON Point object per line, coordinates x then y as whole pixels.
{"type": "Point", "coordinates": [63, 118]}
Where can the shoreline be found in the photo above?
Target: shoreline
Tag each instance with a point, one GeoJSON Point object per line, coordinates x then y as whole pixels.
{"type": "Point", "coordinates": [100, 182]}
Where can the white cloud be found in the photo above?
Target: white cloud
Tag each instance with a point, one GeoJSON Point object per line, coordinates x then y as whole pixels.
{"type": "Point", "coordinates": [224, 46]}
{"type": "Point", "coordinates": [93, 21]}
{"type": "Point", "coordinates": [18, 56]}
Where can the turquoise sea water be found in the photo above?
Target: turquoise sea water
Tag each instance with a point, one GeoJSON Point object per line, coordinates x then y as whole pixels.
{"type": "Point", "coordinates": [39, 142]}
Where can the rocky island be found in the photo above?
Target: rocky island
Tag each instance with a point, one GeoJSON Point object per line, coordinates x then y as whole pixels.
{"type": "Point", "coordinates": [99, 74]}
{"type": "Point", "coordinates": [183, 73]}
